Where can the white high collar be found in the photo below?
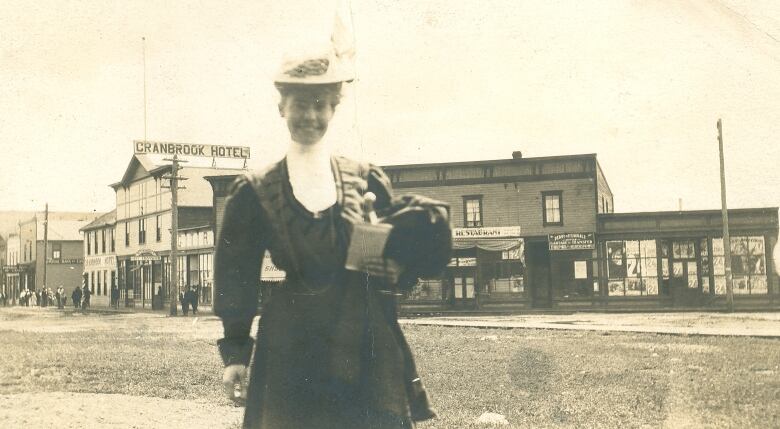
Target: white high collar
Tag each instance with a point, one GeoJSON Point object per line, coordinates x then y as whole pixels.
{"type": "Point", "coordinates": [311, 175]}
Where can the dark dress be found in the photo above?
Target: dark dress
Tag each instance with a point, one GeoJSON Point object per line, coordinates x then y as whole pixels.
{"type": "Point", "coordinates": [329, 352]}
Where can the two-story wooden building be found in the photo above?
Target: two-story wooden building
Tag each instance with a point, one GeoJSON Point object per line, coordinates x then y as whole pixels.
{"type": "Point", "coordinates": [100, 258]}
{"type": "Point", "coordinates": [143, 228]}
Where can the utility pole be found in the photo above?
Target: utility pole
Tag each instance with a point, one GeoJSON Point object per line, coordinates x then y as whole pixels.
{"type": "Point", "coordinates": [174, 257]}
{"type": "Point", "coordinates": [725, 216]}
{"type": "Point", "coordinates": [45, 243]}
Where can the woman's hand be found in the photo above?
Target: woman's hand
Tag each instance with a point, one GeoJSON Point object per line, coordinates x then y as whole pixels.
{"type": "Point", "coordinates": [386, 268]}
{"type": "Point", "coordinates": [234, 382]}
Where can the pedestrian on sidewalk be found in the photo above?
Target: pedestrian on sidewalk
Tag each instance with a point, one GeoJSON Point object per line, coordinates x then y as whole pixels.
{"type": "Point", "coordinates": [76, 297]}
{"type": "Point", "coordinates": [184, 301]}
{"type": "Point", "coordinates": [60, 297]}
{"type": "Point", "coordinates": [86, 294]}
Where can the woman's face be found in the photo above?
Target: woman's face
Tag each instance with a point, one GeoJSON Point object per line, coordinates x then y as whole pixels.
{"type": "Point", "coordinates": [307, 113]}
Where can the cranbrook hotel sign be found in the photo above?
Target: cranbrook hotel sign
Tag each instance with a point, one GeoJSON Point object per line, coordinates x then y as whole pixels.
{"type": "Point", "coordinates": [211, 151]}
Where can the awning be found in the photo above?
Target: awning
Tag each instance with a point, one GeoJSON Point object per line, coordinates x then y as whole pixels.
{"type": "Point", "coordinates": [492, 244]}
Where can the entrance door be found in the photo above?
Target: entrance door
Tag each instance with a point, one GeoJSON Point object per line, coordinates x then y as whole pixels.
{"type": "Point", "coordinates": [538, 260]}
{"type": "Point", "coordinates": [463, 292]}
{"type": "Point", "coordinates": [684, 282]}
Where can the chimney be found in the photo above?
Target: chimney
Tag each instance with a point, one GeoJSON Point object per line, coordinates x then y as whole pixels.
{"type": "Point", "coordinates": [517, 155]}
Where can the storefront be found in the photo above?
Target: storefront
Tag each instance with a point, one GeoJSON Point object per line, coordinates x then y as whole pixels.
{"type": "Point", "coordinates": [143, 279]}
{"type": "Point", "coordinates": [650, 260]}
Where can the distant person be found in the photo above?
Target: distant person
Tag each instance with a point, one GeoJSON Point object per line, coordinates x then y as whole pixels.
{"type": "Point", "coordinates": [192, 298]}
{"type": "Point", "coordinates": [86, 294]}
{"type": "Point", "coordinates": [76, 296]}
{"type": "Point", "coordinates": [114, 296]}
{"type": "Point", "coordinates": [60, 297]}
{"type": "Point", "coordinates": [184, 301]}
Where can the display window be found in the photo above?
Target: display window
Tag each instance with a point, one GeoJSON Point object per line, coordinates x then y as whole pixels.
{"type": "Point", "coordinates": [748, 265]}
{"type": "Point", "coordinates": [632, 267]}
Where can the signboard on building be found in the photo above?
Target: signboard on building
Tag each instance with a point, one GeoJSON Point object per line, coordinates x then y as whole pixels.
{"type": "Point", "coordinates": [141, 147]}
{"type": "Point", "coordinates": [486, 232]}
{"type": "Point", "coordinates": [145, 255]}
{"type": "Point", "coordinates": [64, 261]}
{"type": "Point", "coordinates": [572, 241]}
{"type": "Point", "coordinates": [95, 261]}
{"type": "Point", "coordinates": [463, 262]}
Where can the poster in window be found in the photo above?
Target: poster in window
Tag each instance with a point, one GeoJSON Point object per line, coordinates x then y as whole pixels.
{"type": "Point", "coordinates": [693, 280]}
{"type": "Point", "coordinates": [580, 269]}
{"type": "Point", "coordinates": [717, 247]}
{"type": "Point", "coordinates": [758, 285]}
{"type": "Point", "coordinates": [648, 267]}
{"type": "Point", "coordinates": [740, 285]}
{"type": "Point", "coordinates": [719, 265]}
{"type": "Point", "coordinates": [705, 285]}
{"type": "Point", "coordinates": [703, 247]}
{"type": "Point", "coordinates": [756, 245]}
{"type": "Point", "coordinates": [651, 285]}
{"type": "Point", "coordinates": [647, 248]}
{"type": "Point", "coordinates": [665, 249]}
{"type": "Point", "coordinates": [615, 288]}
{"type": "Point", "coordinates": [632, 267]}
{"type": "Point", "coordinates": [633, 287]}
{"type": "Point", "coordinates": [517, 284]}
{"type": "Point", "coordinates": [720, 285]}
{"type": "Point", "coordinates": [632, 248]}
{"type": "Point", "coordinates": [616, 267]}
{"type": "Point", "coordinates": [677, 270]}
{"type": "Point", "coordinates": [665, 268]}
{"type": "Point", "coordinates": [756, 264]}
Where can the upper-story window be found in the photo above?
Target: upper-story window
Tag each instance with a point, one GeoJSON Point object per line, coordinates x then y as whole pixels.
{"type": "Point", "coordinates": [113, 242]}
{"type": "Point", "coordinates": [89, 242]}
{"type": "Point", "coordinates": [552, 208]}
{"type": "Point", "coordinates": [127, 234]}
{"type": "Point", "coordinates": [158, 228]}
{"type": "Point", "coordinates": [142, 231]}
{"type": "Point", "coordinates": [56, 252]}
{"type": "Point", "coordinates": [103, 240]}
{"type": "Point", "coordinates": [472, 210]}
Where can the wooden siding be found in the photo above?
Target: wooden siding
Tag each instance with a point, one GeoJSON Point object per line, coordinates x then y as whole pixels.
{"type": "Point", "coordinates": [510, 204]}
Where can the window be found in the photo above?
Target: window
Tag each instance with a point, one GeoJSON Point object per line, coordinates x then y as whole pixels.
{"type": "Point", "coordinates": [89, 243]}
{"type": "Point", "coordinates": [472, 211]}
{"type": "Point", "coordinates": [748, 265]}
{"type": "Point", "coordinates": [92, 282]}
{"type": "Point", "coordinates": [632, 268]}
{"type": "Point", "coordinates": [141, 231]}
{"type": "Point", "coordinates": [158, 228]}
{"type": "Point", "coordinates": [103, 240]}
{"type": "Point", "coordinates": [426, 290]}
{"type": "Point", "coordinates": [552, 208]}
{"type": "Point", "coordinates": [56, 252]}
{"type": "Point", "coordinates": [113, 244]}
{"type": "Point", "coordinates": [127, 234]}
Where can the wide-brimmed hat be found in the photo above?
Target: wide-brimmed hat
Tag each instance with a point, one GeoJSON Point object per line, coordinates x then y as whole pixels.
{"type": "Point", "coordinates": [314, 70]}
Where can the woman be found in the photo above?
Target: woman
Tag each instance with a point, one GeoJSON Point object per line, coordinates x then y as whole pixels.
{"type": "Point", "coordinates": [330, 353]}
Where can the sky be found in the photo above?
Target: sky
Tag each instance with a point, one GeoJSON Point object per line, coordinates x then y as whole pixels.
{"type": "Point", "coordinates": [640, 83]}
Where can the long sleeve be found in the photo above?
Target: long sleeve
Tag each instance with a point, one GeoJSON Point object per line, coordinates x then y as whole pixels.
{"type": "Point", "coordinates": [237, 259]}
{"type": "Point", "coordinates": [421, 239]}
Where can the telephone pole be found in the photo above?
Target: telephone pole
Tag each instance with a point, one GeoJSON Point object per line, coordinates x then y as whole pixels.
{"type": "Point", "coordinates": [45, 242]}
{"type": "Point", "coordinates": [725, 216]}
{"type": "Point", "coordinates": [174, 257]}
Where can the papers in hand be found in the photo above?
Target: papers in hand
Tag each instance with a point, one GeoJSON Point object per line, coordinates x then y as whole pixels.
{"type": "Point", "coordinates": [368, 243]}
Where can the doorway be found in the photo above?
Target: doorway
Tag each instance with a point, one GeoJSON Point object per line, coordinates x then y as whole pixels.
{"type": "Point", "coordinates": [538, 260]}
{"type": "Point", "coordinates": [463, 291]}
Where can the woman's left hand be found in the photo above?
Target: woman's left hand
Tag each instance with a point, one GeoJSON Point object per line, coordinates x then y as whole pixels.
{"type": "Point", "coordinates": [385, 268]}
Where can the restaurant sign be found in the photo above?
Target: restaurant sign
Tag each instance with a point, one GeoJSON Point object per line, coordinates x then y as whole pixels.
{"type": "Point", "coordinates": [572, 241]}
{"type": "Point", "coordinates": [141, 147]}
{"type": "Point", "coordinates": [486, 232]}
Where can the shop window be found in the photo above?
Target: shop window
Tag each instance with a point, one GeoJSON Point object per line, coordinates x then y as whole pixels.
{"type": "Point", "coordinates": [426, 290]}
{"type": "Point", "coordinates": [632, 268]}
{"type": "Point", "coordinates": [748, 265]}
{"type": "Point", "coordinates": [507, 275]}
{"type": "Point", "coordinates": [552, 208]}
{"type": "Point", "coordinates": [472, 211]}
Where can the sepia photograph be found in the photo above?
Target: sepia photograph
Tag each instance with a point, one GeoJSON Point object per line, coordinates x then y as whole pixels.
{"type": "Point", "coordinates": [389, 214]}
